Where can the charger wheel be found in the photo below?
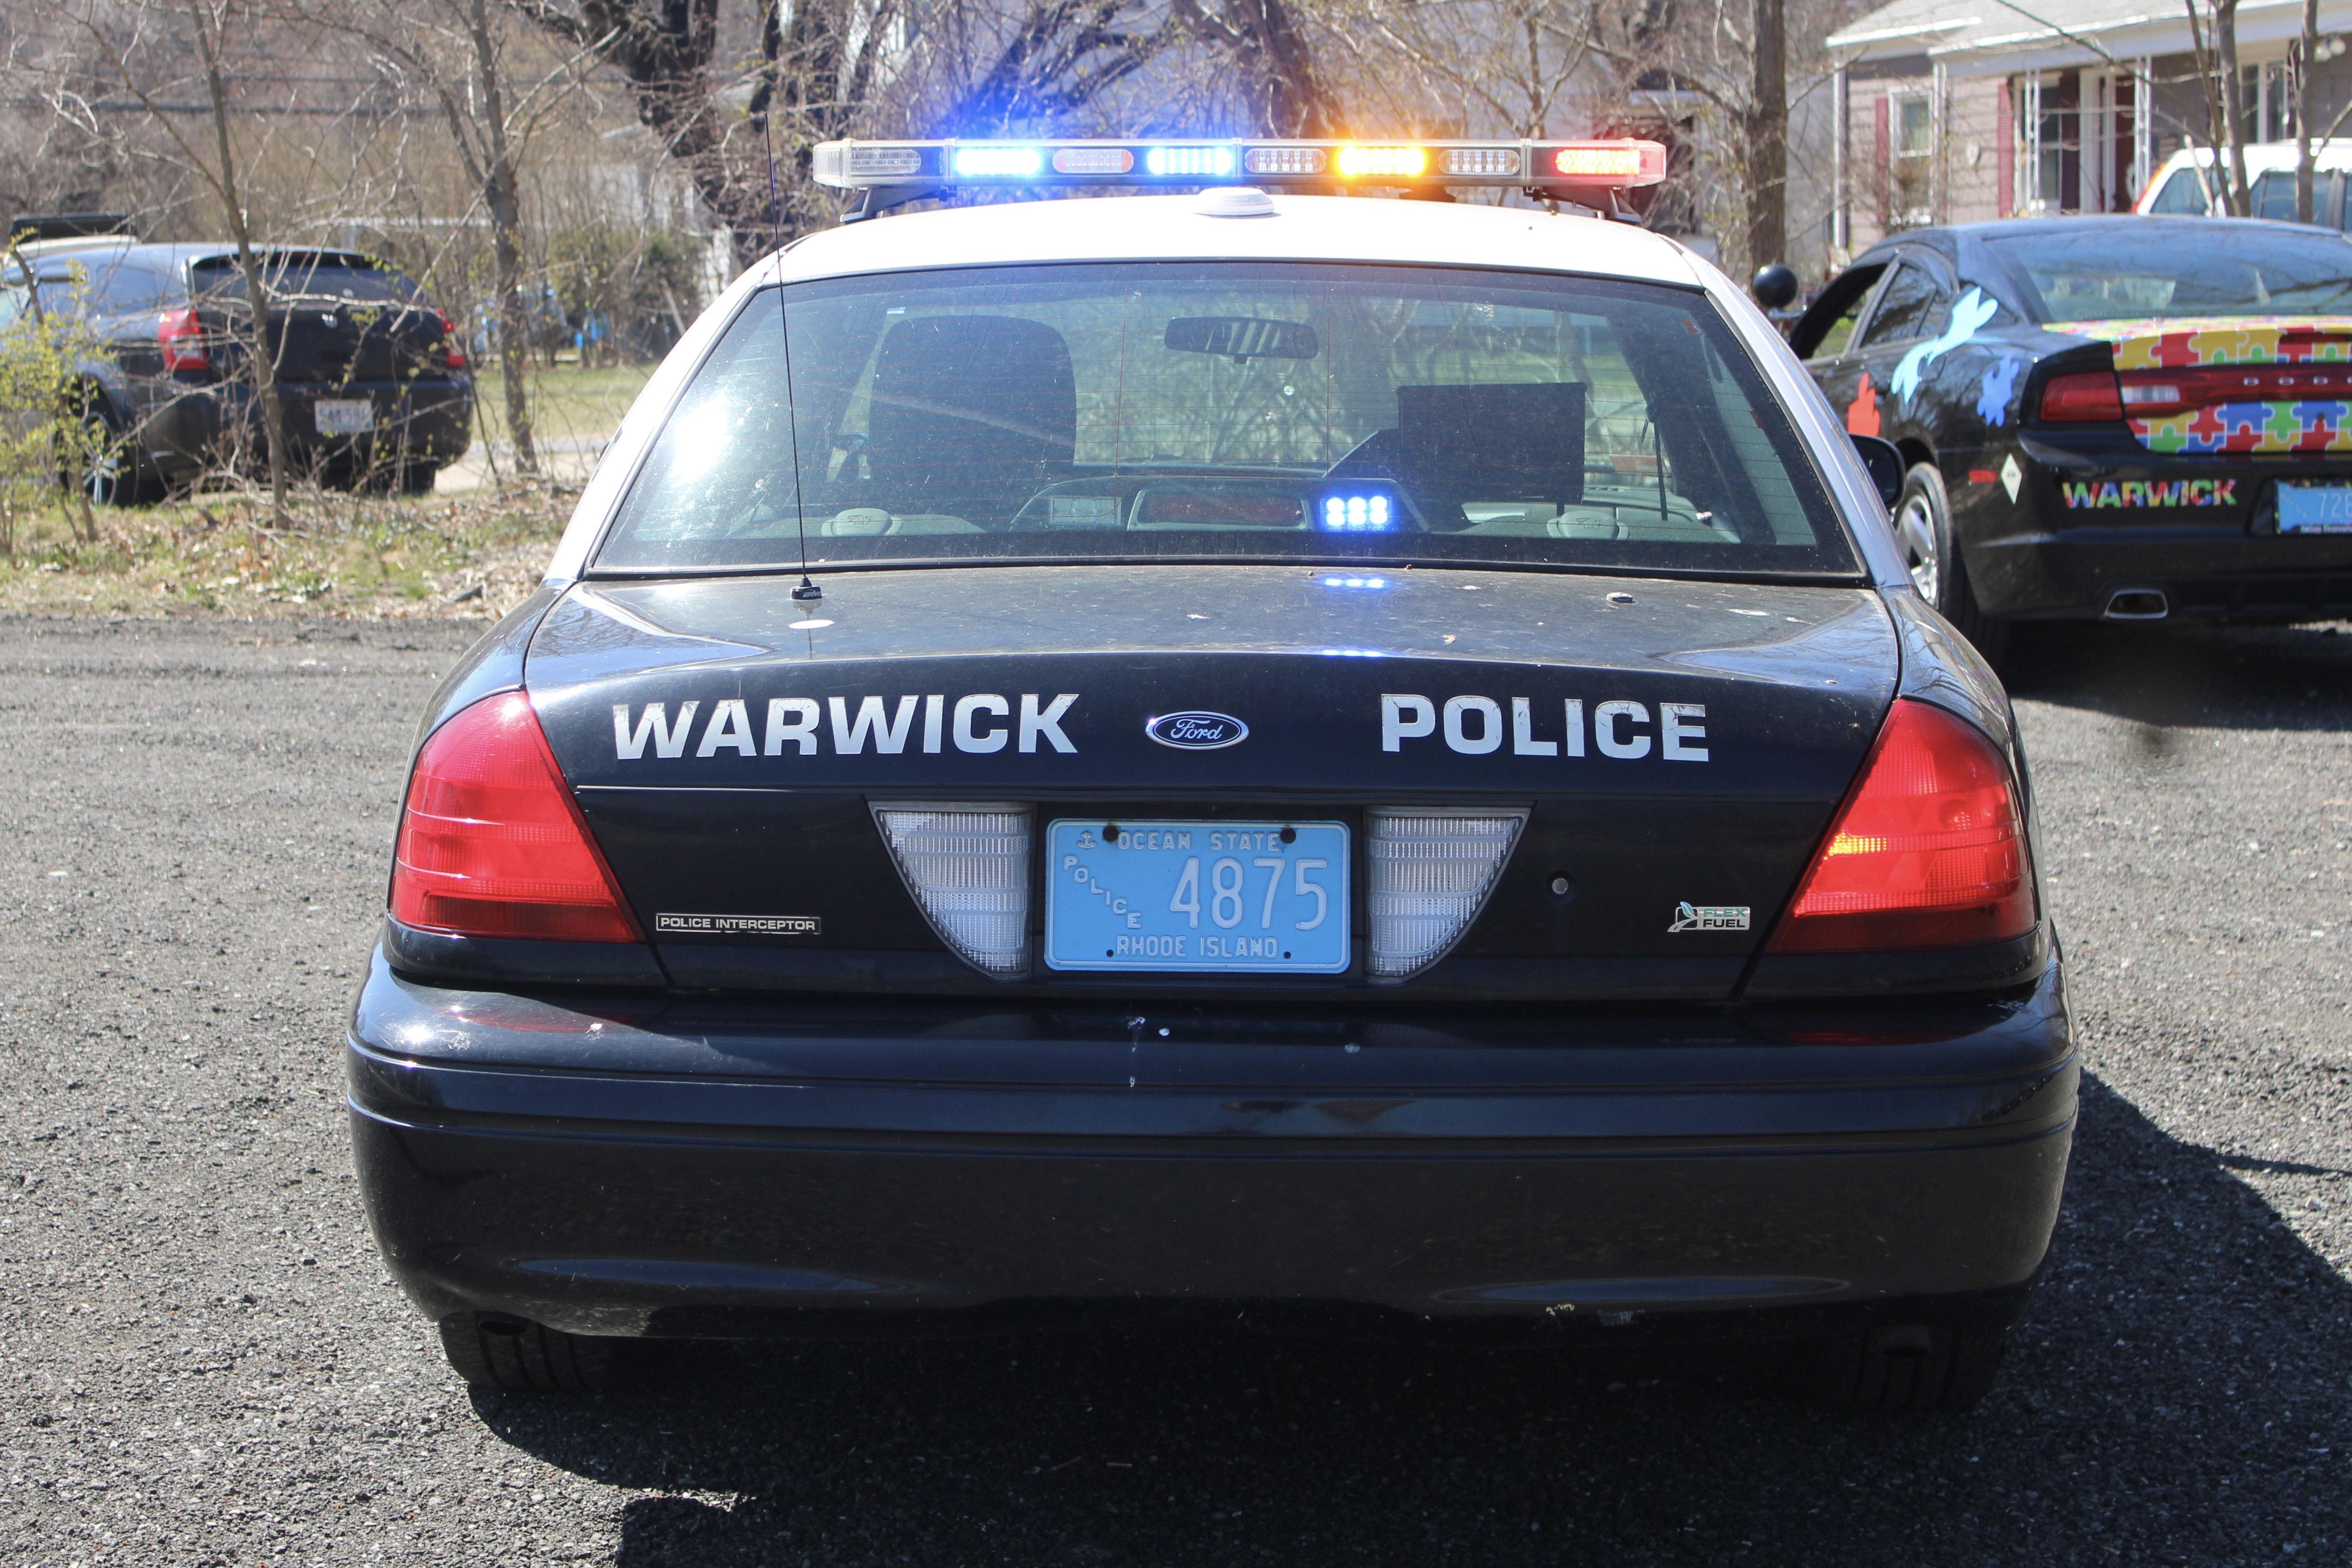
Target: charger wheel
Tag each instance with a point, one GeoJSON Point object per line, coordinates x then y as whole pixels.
{"type": "Point", "coordinates": [490, 1349]}
{"type": "Point", "coordinates": [1907, 1368]}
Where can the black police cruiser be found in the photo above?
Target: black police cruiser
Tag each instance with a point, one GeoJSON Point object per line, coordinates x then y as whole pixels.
{"type": "Point", "coordinates": [2117, 418]}
{"type": "Point", "coordinates": [1334, 761]}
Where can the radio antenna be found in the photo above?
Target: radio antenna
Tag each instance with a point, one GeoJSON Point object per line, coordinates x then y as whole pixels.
{"type": "Point", "coordinates": [807, 589]}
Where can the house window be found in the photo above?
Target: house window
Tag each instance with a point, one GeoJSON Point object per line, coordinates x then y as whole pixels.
{"type": "Point", "coordinates": [2266, 97]}
{"type": "Point", "coordinates": [1912, 143]}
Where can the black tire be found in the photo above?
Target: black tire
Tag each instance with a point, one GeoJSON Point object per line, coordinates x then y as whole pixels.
{"type": "Point", "coordinates": [416, 478]}
{"type": "Point", "coordinates": [1907, 1368]}
{"type": "Point", "coordinates": [517, 1356]}
{"type": "Point", "coordinates": [1923, 530]}
{"type": "Point", "coordinates": [102, 465]}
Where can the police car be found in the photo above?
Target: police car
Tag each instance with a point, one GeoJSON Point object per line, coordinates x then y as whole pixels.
{"type": "Point", "coordinates": [1314, 761]}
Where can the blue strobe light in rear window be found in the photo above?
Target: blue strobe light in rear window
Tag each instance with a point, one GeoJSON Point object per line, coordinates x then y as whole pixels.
{"type": "Point", "coordinates": [1358, 514]}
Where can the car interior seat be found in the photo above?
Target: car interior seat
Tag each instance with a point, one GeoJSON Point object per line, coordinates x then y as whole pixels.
{"type": "Point", "coordinates": [970, 417]}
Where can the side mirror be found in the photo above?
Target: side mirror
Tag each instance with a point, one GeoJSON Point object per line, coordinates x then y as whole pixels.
{"type": "Point", "coordinates": [1774, 287]}
{"type": "Point", "coordinates": [1886, 467]}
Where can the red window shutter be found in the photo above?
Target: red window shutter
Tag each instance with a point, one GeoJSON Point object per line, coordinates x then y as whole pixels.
{"type": "Point", "coordinates": [2006, 140]}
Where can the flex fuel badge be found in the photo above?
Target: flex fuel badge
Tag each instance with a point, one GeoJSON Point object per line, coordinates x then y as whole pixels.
{"type": "Point", "coordinates": [1709, 916]}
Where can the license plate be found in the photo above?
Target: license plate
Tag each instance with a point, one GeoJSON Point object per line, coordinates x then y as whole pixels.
{"type": "Point", "coordinates": [2314, 509]}
{"type": "Point", "coordinates": [344, 415]}
{"type": "Point", "coordinates": [1261, 898]}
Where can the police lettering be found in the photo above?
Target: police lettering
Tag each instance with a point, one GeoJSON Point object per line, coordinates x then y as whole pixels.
{"type": "Point", "coordinates": [982, 723]}
{"type": "Point", "coordinates": [1621, 729]}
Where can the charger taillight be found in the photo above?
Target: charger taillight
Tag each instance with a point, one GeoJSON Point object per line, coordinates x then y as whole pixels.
{"type": "Point", "coordinates": [491, 842]}
{"type": "Point", "coordinates": [2087, 397]}
{"type": "Point", "coordinates": [182, 337]}
{"type": "Point", "coordinates": [1928, 850]}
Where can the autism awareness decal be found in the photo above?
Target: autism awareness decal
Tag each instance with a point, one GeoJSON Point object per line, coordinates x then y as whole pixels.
{"type": "Point", "coordinates": [2152, 492]}
{"type": "Point", "coordinates": [2302, 425]}
{"type": "Point", "coordinates": [1970, 312]}
{"type": "Point", "coordinates": [1862, 413]}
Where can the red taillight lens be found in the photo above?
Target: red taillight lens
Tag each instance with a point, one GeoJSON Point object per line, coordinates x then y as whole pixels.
{"type": "Point", "coordinates": [453, 347]}
{"type": "Point", "coordinates": [2080, 399]}
{"type": "Point", "coordinates": [491, 842]}
{"type": "Point", "coordinates": [1928, 851]}
{"type": "Point", "coordinates": [182, 337]}
{"type": "Point", "coordinates": [2149, 392]}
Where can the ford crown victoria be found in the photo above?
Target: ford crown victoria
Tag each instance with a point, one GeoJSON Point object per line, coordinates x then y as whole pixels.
{"type": "Point", "coordinates": [1309, 761]}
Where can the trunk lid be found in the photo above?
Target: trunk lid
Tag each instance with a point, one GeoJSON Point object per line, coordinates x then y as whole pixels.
{"type": "Point", "coordinates": [1674, 742]}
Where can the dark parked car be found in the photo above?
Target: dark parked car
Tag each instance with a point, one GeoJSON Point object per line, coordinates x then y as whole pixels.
{"type": "Point", "coordinates": [372, 378]}
{"type": "Point", "coordinates": [2118, 417]}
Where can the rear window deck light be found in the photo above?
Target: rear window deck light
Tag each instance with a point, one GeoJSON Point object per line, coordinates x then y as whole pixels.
{"type": "Point", "coordinates": [1428, 872]}
{"type": "Point", "coordinates": [967, 867]}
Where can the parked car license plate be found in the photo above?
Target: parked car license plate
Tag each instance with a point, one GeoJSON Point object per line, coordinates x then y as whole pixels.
{"type": "Point", "coordinates": [2314, 509]}
{"type": "Point", "coordinates": [1229, 897]}
{"type": "Point", "coordinates": [344, 415]}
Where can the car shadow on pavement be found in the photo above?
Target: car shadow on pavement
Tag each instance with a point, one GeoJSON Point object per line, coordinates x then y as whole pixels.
{"type": "Point", "coordinates": [2184, 674]}
{"type": "Point", "coordinates": [2176, 1394]}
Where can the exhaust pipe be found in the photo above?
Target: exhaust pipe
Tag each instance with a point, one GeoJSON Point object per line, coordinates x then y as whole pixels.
{"type": "Point", "coordinates": [2136, 604]}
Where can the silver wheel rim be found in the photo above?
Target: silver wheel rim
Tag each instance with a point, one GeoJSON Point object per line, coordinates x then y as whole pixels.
{"type": "Point", "coordinates": [103, 476]}
{"type": "Point", "coordinates": [1914, 526]}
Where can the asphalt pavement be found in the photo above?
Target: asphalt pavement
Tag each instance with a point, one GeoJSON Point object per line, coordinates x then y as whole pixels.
{"type": "Point", "coordinates": [201, 1361]}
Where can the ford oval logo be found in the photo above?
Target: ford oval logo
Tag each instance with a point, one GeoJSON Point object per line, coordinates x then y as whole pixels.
{"type": "Point", "coordinates": [1197, 732]}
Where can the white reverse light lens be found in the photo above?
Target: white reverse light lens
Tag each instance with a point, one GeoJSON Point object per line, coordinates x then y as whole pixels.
{"type": "Point", "coordinates": [1431, 871]}
{"type": "Point", "coordinates": [968, 867]}
{"type": "Point", "coordinates": [1216, 162]}
{"type": "Point", "coordinates": [1016, 161]}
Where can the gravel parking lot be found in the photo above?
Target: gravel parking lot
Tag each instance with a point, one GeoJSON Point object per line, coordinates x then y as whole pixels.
{"type": "Point", "coordinates": [204, 1363]}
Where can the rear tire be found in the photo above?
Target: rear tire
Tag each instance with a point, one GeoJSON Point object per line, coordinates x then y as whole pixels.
{"type": "Point", "coordinates": [416, 478]}
{"type": "Point", "coordinates": [490, 1349]}
{"type": "Point", "coordinates": [102, 463]}
{"type": "Point", "coordinates": [1907, 1368]}
{"type": "Point", "coordinates": [1923, 529]}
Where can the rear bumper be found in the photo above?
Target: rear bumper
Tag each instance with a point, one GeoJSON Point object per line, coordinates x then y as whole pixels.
{"type": "Point", "coordinates": [704, 1168]}
{"type": "Point", "coordinates": [190, 423]}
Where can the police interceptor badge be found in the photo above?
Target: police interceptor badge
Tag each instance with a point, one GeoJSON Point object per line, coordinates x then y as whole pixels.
{"type": "Point", "coordinates": [1709, 916]}
{"type": "Point", "coordinates": [737, 925]}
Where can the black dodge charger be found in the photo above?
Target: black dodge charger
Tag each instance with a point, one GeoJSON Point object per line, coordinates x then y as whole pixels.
{"type": "Point", "coordinates": [2124, 418]}
{"type": "Point", "coordinates": [1350, 764]}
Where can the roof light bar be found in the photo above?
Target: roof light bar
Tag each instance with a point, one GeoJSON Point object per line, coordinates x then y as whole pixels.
{"type": "Point", "coordinates": [1585, 171]}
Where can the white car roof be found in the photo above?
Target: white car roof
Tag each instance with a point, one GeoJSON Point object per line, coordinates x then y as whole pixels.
{"type": "Point", "coordinates": [1316, 228]}
{"type": "Point", "coordinates": [2268, 157]}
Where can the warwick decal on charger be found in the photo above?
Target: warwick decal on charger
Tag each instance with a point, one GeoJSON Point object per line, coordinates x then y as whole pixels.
{"type": "Point", "coordinates": [982, 723]}
{"type": "Point", "coordinates": [2149, 492]}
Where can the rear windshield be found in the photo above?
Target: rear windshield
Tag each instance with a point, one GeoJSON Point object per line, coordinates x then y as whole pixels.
{"type": "Point", "coordinates": [2120, 271]}
{"type": "Point", "coordinates": [1192, 411]}
{"type": "Point", "coordinates": [313, 275]}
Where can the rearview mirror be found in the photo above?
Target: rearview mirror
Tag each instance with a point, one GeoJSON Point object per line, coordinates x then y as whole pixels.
{"type": "Point", "coordinates": [1243, 338]}
{"type": "Point", "coordinates": [1886, 467]}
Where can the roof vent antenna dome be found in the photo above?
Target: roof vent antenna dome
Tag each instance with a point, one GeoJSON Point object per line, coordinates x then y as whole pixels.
{"type": "Point", "coordinates": [1234, 201]}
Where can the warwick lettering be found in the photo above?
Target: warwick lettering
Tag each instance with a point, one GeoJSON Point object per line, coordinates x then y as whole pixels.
{"type": "Point", "coordinates": [1475, 727]}
{"type": "Point", "coordinates": [981, 722]}
{"type": "Point", "coordinates": [2149, 492]}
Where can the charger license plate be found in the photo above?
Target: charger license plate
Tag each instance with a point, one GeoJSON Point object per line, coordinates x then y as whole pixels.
{"type": "Point", "coordinates": [2306, 508]}
{"type": "Point", "coordinates": [1197, 897]}
{"type": "Point", "coordinates": [344, 415]}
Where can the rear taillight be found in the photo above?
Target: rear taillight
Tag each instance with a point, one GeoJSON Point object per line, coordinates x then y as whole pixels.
{"type": "Point", "coordinates": [182, 337]}
{"type": "Point", "coordinates": [2151, 393]}
{"type": "Point", "coordinates": [491, 842]}
{"type": "Point", "coordinates": [1926, 852]}
{"type": "Point", "coordinates": [453, 347]}
{"type": "Point", "coordinates": [2090, 396]}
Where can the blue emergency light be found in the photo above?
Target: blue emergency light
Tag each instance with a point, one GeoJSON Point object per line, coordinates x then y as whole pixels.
{"type": "Point", "coordinates": [1593, 174]}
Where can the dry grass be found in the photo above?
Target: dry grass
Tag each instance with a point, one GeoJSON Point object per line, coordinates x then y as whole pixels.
{"type": "Point", "coordinates": [471, 556]}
